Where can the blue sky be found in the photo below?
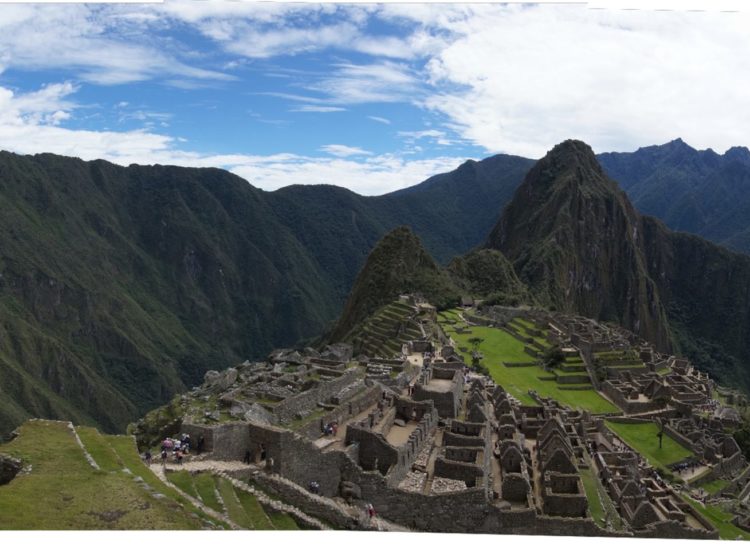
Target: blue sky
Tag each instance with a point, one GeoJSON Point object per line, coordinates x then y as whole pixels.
{"type": "Point", "coordinates": [369, 97]}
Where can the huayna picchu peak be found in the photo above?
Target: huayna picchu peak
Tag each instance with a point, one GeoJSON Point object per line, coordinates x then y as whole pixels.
{"type": "Point", "coordinates": [574, 238]}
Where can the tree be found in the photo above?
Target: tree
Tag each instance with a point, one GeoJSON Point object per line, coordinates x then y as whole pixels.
{"type": "Point", "coordinates": [553, 357]}
{"type": "Point", "coordinates": [475, 342]}
{"type": "Point", "coordinates": [660, 433]}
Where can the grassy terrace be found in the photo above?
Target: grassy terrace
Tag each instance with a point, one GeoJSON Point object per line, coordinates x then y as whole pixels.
{"type": "Point", "coordinates": [642, 437]}
{"type": "Point", "coordinates": [500, 346]}
{"type": "Point", "coordinates": [243, 508]}
{"type": "Point", "coordinates": [64, 492]}
{"type": "Point", "coordinates": [720, 519]}
{"type": "Point", "coordinates": [713, 487]}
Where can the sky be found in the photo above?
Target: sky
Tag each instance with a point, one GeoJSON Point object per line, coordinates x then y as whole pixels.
{"type": "Point", "coordinates": [369, 97]}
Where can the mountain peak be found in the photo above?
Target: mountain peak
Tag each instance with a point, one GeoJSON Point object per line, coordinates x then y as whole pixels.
{"type": "Point", "coordinates": [741, 154]}
{"type": "Point", "coordinates": [568, 168]}
{"type": "Point", "coordinates": [397, 265]}
{"type": "Point", "coordinates": [573, 237]}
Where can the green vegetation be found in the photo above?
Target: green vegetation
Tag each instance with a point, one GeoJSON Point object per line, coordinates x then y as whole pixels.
{"type": "Point", "coordinates": [592, 495]}
{"type": "Point", "coordinates": [643, 438]}
{"type": "Point", "coordinates": [64, 492]}
{"type": "Point", "coordinates": [183, 480]}
{"type": "Point", "coordinates": [205, 486]}
{"type": "Point", "coordinates": [720, 519]}
{"type": "Point", "coordinates": [126, 450]}
{"type": "Point", "coordinates": [254, 511]}
{"type": "Point", "coordinates": [498, 347]}
{"type": "Point", "coordinates": [99, 449]}
{"type": "Point", "coordinates": [281, 521]}
{"type": "Point", "coordinates": [487, 273]}
{"type": "Point", "coordinates": [715, 486]}
{"type": "Point", "coordinates": [397, 265]}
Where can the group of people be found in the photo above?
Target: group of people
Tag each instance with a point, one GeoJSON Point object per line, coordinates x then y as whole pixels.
{"type": "Point", "coordinates": [331, 429]}
{"type": "Point", "coordinates": [177, 447]}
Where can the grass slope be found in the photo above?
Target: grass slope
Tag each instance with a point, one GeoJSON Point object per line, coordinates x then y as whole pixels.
{"type": "Point", "coordinates": [500, 346]}
{"type": "Point", "coordinates": [64, 492]}
{"type": "Point", "coordinates": [642, 437]}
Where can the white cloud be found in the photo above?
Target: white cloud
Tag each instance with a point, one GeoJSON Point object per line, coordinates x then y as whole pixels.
{"type": "Point", "coordinates": [344, 150]}
{"type": "Point", "coordinates": [520, 80]}
{"type": "Point", "coordinates": [90, 41]}
{"type": "Point", "coordinates": [385, 82]}
{"type": "Point", "coordinates": [316, 109]}
{"type": "Point", "coordinates": [373, 176]}
{"type": "Point", "coordinates": [380, 119]}
{"type": "Point", "coordinates": [438, 136]}
{"type": "Point", "coordinates": [28, 125]}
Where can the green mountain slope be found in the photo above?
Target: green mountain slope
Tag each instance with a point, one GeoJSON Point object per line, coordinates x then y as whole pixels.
{"type": "Point", "coordinates": [700, 192]}
{"type": "Point", "coordinates": [578, 243]}
{"type": "Point", "coordinates": [121, 286]}
{"type": "Point", "coordinates": [397, 265]}
{"type": "Point", "coordinates": [572, 236]}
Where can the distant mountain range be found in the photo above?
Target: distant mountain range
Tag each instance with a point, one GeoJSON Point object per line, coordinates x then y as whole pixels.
{"type": "Point", "coordinates": [120, 286]}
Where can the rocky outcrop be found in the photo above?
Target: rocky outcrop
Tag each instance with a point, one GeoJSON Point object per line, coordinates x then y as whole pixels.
{"type": "Point", "coordinates": [9, 468]}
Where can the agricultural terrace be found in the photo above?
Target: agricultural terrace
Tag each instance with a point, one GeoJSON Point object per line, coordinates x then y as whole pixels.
{"type": "Point", "coordinates": [498, 347]}
{"type": "Point", "coordinates": [643, 438]}
{"type": "Point", "coordinates": [65, 492]}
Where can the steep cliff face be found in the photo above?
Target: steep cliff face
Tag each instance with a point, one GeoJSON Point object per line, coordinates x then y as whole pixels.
{"type": "Point", "coordinates": [575, 239]}
{"type": "Point", "coordinates": [706, 292]}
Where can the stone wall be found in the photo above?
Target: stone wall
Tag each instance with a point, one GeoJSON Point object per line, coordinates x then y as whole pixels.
{"type": "Point", "coordinates": [462, 471]}
{"type": "Point", "coordinates": [304, 402]}
{"type": "Point", "coordinates": [342, 413]}
{"type": "Point", "coordinates": [447, 403]}
{"type": "Point", "coordinates": [675, 530]}
{"type": "Point", "coordinates": [304, 500]}
{"type": "Point", "coordinates": [628, 407]}
{"type": "Point", "coordinates": [227, 441]}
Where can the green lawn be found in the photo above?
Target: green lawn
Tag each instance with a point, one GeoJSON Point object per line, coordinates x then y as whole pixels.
{"type": "Point", "coordinates": [64, 492]}
{"type": "Point", "coordinates": [235, 510]}
{"type": "Point", "coordinates": [282, 521]}
{"type": "Point", "coordinates": [205, 485]}
{"type": "Point", "coordinates": [713, 487]}
{"type": "Point", "coordinates": [592, 495]}
{"type": "Point", "coordinates": [254, 511]}
{"type": "Point", "coordinates": [500, 346]}
{"type": "Point", "coordinates": [183, 480]}
{"type": "Point", "coordinates": [720, 519]}
{"type": "Point", "coordinates": [125, 448]}
{"type": "Point", "coordinates": [99, 449]}
{"type": "Point", "coordinates": [642, 437]}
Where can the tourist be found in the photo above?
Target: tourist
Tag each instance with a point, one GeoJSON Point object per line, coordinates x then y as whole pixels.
{"type": "Point", "coordinates": [246, 460]}
{"type": "Point", "coordinates": [163, 457]}
{"type": "Point", "coordinates": [178, 456]}
{"type": "Point", "coordinates": [147, 457]}
{"type": "Point", "coordinates": [334, 428]}
{"type": "Point", "coordinates": [201, 443]}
